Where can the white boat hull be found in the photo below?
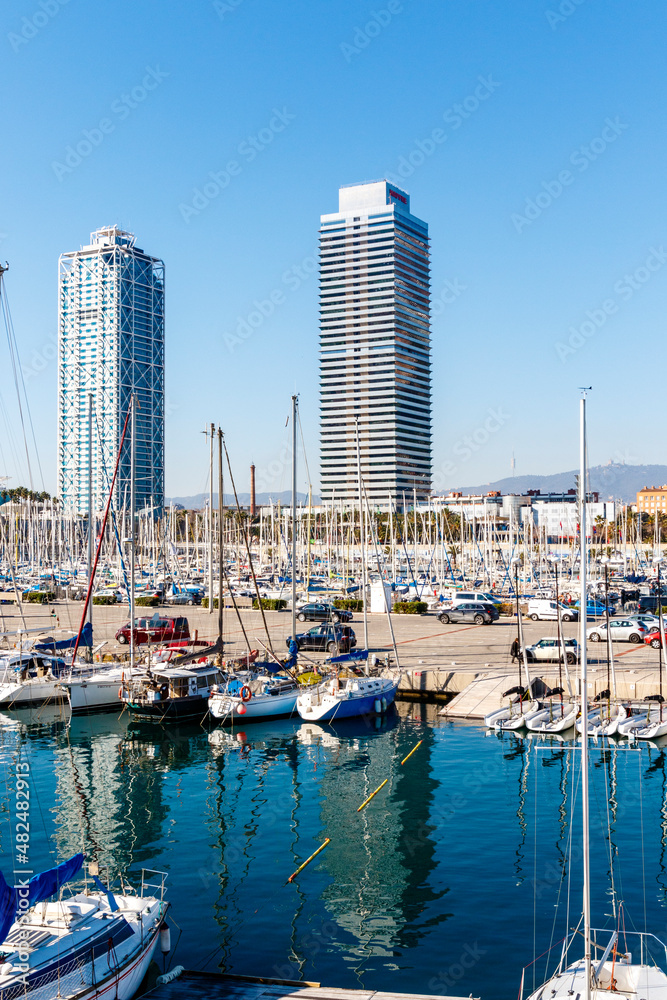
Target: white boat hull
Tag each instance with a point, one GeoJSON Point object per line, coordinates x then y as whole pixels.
{"type": "Point", "coordinates": [26, 694]}
{"type": "Point", "coordinates": [89, 694]}
{"type": "Point", "coordinates": [511, 716]}
{"type": "Point", "coordinates": [554, 719]}
{"type": "Point", "coordinates": [355, 698]}
{"type": "Point", "coordinates": [601, 723]}
{"type": "Point", "coordinates": [230, 708]}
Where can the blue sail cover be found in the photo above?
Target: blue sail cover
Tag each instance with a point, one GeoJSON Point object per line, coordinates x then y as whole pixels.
{"type": "Point", "coordinates": [290, 663]}
{"type": "Point", "coordinates": [86, 640]}
{"type": "Point", "coordinates": [39, 887]}
{"type": "Point", "coordinates": [358, 654]}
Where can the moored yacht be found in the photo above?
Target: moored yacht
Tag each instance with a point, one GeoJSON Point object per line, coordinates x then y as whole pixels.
{"type": "Point", "coordinates": [171, 693]}
{"type": "Point", "coordinates": [253, 697]}
{"type": "Point", "coordinates": [345, 697]}
{"type": "Point", "coordinates": [92, 944]}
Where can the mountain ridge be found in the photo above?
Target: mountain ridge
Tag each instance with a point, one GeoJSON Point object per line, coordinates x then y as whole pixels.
{"type": "Point", "coordinates": [612, 481]}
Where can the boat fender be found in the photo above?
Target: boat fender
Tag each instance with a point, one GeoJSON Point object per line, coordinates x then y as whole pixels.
{"type": "Point", "coordinates": [169, 976]}
{"type": "Point", "coordinates": [384, 704]}
{"type": "Point", "coordinates": [6, 969]}
{"type": "Point", "coordinates": [378, 706]}
{"type": "Point", "coordinates": [241, 709]}
{"type": "Point", "coordinates": [165, 938]}
{"type": "Point", "coordinates": [246, 693]}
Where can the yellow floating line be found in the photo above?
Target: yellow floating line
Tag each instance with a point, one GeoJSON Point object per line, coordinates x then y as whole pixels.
{"type": "Point", "coordinates": [308, 860]}
{"type": "Point", "coordinates": [411, 753]}
{"type": "Point", "coordinates": [365, 803]}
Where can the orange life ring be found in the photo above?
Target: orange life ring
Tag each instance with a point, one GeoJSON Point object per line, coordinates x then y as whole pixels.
{"type": "Point", "coordinates": [246, 693]}
{"type": "Point", "coordinates": [120, 691]}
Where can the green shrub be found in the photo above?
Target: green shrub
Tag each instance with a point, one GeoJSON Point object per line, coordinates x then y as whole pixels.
{"type": "Point", "coordinates": [506, 609]}
{"type": "Point", "coordinates": [105, 599]}
{"type": "Point", "coordinates": [204, 602]}
{"type": "Point", "coordinates": [270, 604]}
{"type": "Point", "coordinates": [410, 607]}
{"type": "Point", "coordinates": [146, 602]}
{"type": "Point", "coordinates": [39, 596]}
{"type": "Point", "coordinates": [349, 603]}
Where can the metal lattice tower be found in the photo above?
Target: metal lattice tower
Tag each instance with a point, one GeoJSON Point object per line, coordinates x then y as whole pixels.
{"type": "Point", "coordinates": [110, 344]}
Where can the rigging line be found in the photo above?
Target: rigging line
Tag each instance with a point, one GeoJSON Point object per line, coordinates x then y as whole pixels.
{"type": "Point", "coordinates": [611, 858]}
{"type": "Point", "coordinates": [10, 437]}
{"type": "Point", "coordinates": [18, 381]}
{"type": "Point", "coordinates": [113, 509]}
{"type": "Point", "coordinates": [535, 874]}
{"type": "Point", "coordinates": [641, 826]}
{"type": "Point", "coordinates": [303, 446]}
{"type": "Point", "coordinates": [244, 531]}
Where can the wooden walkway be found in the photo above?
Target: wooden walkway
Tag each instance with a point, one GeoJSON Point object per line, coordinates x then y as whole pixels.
{"type": "Point", "coordinates": [209, 986]}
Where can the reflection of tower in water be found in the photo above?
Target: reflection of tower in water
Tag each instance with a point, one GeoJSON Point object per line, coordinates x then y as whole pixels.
{"type": "Point", "coordinates": [108, 799]}
{"type": "Point", "coordinates": [380, 860]}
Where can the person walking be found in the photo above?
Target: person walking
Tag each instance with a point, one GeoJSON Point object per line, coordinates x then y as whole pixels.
{"type": "Point", "coordinates": [515, 649]}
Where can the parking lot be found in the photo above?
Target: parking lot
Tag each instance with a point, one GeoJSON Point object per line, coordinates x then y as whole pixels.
{"type": "Point", "coordinates": [422, 641]}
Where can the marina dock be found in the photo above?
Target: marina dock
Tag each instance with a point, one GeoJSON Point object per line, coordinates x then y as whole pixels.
{"type": "Point", "coordinates": [213, 986]}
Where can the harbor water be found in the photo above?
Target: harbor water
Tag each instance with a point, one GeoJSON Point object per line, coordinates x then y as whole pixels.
{"type": "Point", "coordinates": [451, 879]}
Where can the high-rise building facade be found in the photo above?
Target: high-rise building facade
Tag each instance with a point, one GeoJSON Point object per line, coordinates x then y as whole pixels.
{"type": "Point", "coordinates": [375, 348]}
{"type": "Point", "coordinates": [110, 346]}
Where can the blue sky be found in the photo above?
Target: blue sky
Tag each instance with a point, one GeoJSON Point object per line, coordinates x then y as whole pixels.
{"type": "Point", "coordinates": [544, 194]}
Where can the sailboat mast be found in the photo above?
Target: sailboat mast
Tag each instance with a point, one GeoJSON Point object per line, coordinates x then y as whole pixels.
{"type": "Point", "coordinates": [210, 525]}
{"type": "Point", "coordinates": [90, 498]}
{"type": "Point", "coordinates": [221, 548]}
{"type": "Point", "coordinates": [294, 408]}
{"type": "Point", "coordinates": [133, 541]}
{"type": "Point", "coordinates": [584, 698]}
{"type": "Point", "coordinates": [362, 540]}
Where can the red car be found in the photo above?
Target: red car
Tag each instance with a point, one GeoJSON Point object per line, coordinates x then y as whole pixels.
{"type": "Point", "coordinates": [653, 639]}
{"type": "Point", "coordinates": [159, 628]}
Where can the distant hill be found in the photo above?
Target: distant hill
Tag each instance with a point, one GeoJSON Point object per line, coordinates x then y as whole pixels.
{"type": "Point", "coordinates": [612, 481]}
{"type": "Point", "coordinates": [200, 500]}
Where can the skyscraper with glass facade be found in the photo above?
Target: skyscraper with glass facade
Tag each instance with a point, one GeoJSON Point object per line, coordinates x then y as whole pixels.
{"type": "Point", "coordinates": [110, 345]}
{"type": "Point", "coordinates": [375, 348]}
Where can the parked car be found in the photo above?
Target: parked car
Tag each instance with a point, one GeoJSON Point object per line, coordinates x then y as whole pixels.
{"type": "Point", "coordinates": [651, 603]}
{"type": "Point", "coordinates": [472, 612]}
{"type": "Point", "coordinates": [596, 610]}
{"type": "Point", "coordinates": [652, 622]}
{"type": "Point", "coordinates": [653, 638]}
{"type": "Point", "coordinates": [332, 638]}
{"type": "Point", "coordinates": [183, 597]}
{"type": "Point", "coordinates": [543, 609]}
{"type": "Point", "coordinates": [550, 649]}
{"type": "Point", "coordinates": [109, 592]}
{"type": "Point", "coordinates": [622, 630]}
{"type": "Point", "coordinates": [159, 628]}
{"type": "Point", "coordinates": [323, 613]}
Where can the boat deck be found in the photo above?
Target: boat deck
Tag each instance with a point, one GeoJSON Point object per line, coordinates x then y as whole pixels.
{"type": "Point", "coordinates": [212, 986]}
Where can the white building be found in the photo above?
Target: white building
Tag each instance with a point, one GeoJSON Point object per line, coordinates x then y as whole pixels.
{"type": "Point", "coordinates": [110, 345]}
{"type": "Point", "coordinates": [375, 347]}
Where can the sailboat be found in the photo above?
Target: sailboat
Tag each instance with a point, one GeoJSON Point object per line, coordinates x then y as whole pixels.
{"type": "Point", "coordinates": [606, 968]}
{"type": "Point", "coordinates": [608, 713]}
{"type": "Point", "coordinates": [92, 944]}
{"type": "Point", "coordinates": [642, 726]}
{"type": "Point", "coordinates": [513, 716]}
{"type": "Point", "coordinates": [350, 694]}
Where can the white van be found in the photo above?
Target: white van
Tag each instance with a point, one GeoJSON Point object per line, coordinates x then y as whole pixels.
{"type": "Point", "coordinates": [475, 595]}
{"type": "Point", "coordinates": [543, 610]}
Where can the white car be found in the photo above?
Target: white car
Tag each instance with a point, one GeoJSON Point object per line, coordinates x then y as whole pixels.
{"type": "Point", "coordinates": [652, 622]}
{"type": "Point", "coordinates": [551, 650]}
{"type": "Point", "coordinates": [620, 630]}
